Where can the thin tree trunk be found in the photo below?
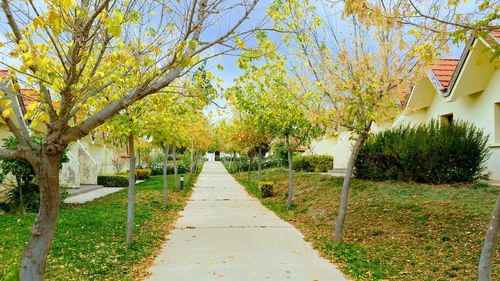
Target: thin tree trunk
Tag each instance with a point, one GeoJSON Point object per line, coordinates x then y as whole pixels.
{"type": "Point", "coordinates": [36, 251]}
{"type": "Point", "coordinates": [233, 160]}
{"type": "Point", "coordinates": [174, 156]}
{"type": "Point", "coordinates": [490, 244]}
{"type": "Point", "coordinates": [290, 175]}
{"type": "Point", "coordinates": [249, 167]}
{"type": "Point", "coordinates": [196, 161]}
{"type": "Point", "coordinates": [165, 177]}
{"type": "Point", "coordinates": [191, 162]}
{"type": "Point", "coordinates": [131, 190]}
{"type": "Point", "coordinates": [339, 226]}
{"type": "Point", "coordinates": [239, 166]}
{"type": "Point", "coordinates": [259, 164]}
{"type": "Point", "coordinates": [138, 159]}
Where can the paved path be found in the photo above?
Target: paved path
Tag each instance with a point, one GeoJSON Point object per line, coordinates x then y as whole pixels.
{"type": "Point", "coordinates": [224, 234]}
{"type": "Point", "coordinates": [91, 195]}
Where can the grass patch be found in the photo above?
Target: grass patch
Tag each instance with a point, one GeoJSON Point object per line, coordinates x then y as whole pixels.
{"type": "Point", "coordinates": [394, 230]}
{"type": "Point", "coordinates": [89, 242]}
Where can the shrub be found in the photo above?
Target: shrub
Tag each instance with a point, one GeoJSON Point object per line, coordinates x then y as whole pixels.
{"type": "Point", "coordinates": [429, 153]}
{"type": "Point", "coordinates": [266, 189]}
{"type": "Point", "coordinates": [158, 169]}
{"type": "Point", "coordinates": [142, 174]}
{"type": "Point", "coordinates": [112, 180]}
{"type": "Point", "coordinates": [313, 163]}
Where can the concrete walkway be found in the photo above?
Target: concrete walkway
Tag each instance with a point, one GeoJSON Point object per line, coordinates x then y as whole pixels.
{"type": "Point", "coordinates": [224, 234]}
{"type": "Point", "coordinates": [91, 195]}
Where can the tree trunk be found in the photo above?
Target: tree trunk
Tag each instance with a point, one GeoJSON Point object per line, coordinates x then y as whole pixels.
{"type": "Point", "coordinates": [259, 164]}
{"type": "Point", "coordinates": [196, 161]}
{"type": "Point", "coordinates": [131, 190]}
{"type": "Point", "coordinates": [233, 159]}
{"type": "Point", "coordinates": [165, 177]}
{"type": "Point", "coordinates": [138, 159]}
{"type": "Point", "coordinates": [339, 226]}
{"type": "Point", "coordinates": [174, 157]}
{"type": "Point", "coordinates": [490, 244]}
{"type": "Point", "coordinates": [239, 166]}
{"type": "Point", "coordinates": [249, 167]}
{"type": "Point", "coordinates": [36, 251]}
{"type": "Point", "coordinates": [191, 162]}
{"type": "Point", "coordinates": [290, 175]}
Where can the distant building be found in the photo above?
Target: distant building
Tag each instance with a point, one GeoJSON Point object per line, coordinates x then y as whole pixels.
{"type": "Point", "coordinates": [88, 157]}
{"type": "Point", "coordinates": [467, 88]}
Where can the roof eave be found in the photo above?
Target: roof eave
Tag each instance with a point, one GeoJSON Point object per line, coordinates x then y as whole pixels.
{"type": "Point", "coordinates": [459, 67]}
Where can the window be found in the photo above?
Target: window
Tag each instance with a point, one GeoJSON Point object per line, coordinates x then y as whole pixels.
{"type": "Point", "coordinates": [447, 118]}
{"type": "Point", "coordinates": [497, 122]}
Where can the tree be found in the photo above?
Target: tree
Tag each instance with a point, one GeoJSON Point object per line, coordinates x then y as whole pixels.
{"type": "Point", "coordinates": [125, 128]}
{"type": "Point", "coordinates": [118, 162]}
{"type": "Point", "coordinates": [26, 194]}
{"type": "Point", "coordinates": [266, 96]}
{"type": "Point", "coordinates": [455, 20]}
{"type": "Point", "coordinates": [87, 61]}
{"type": "Point", "coordinates": [359, 78]}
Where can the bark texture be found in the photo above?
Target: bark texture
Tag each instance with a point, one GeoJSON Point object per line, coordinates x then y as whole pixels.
{"type": "Point", "coordinates": [490, 244]}
{"type": "Point", "coordinates": [249, 167]}
{"type": "Point", "coordinates": [191, 160]}
{"type": "Point", "coordinates": [290, 179]}
{"type": "Point", "coordinates": [165, 177]}
{"type": "Point", "coordinates": [339, 226]}
{"type": "Point", "coordinates": [259, 164]}
{"type": "Point", "coordinates": [35, 253]}
{"type": "Point", "coordinates": [131, 191]}
{"type": "Point", "coordinates": [176, 175]}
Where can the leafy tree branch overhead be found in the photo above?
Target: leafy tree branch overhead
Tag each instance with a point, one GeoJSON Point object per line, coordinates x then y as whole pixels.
{"type": "Point", "coordinates": [88, 60]}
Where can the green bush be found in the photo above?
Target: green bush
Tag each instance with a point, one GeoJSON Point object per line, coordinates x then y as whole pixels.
{"type": "Point", "coordinates": [112, 180]}
{"type": "Point", "coordinates": [430, 153]}
{"type": "Point", "coordinates": [266, 189]}
{"type": "Point", "coordinates": [158, 170]}
{"type": "Point", "coordinates": [142, 174]}
{"type": "Point", "coordinates": [313, 163]}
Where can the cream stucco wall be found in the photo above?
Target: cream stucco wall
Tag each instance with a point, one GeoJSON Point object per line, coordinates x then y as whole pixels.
{"type": "Point", "coordinates": [469, 102]}
{"type": "Point", "coordinates": [474, 98]}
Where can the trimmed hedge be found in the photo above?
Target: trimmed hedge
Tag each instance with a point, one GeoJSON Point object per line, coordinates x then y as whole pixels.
{"type": "Point", "coordinates": [313, 163]}
{"type": "Point", "coordinates": [112, 180]}
{"type": "Point", "coordinates": [142, 174]}
{"type": "Point", "coordinates": [430, 153]}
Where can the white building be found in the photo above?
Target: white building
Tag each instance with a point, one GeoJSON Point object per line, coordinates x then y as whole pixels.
{"type": "Point", "coordinates": [467, 88]}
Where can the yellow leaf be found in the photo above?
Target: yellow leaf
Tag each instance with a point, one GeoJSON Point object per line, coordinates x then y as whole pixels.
{"type": "Point", "coordinates": [7, 112]}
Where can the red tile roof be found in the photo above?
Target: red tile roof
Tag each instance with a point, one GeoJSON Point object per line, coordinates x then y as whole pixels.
{"type": "Point", "coordinates": [495, 34]}
{"type": "Point", "coordinates": [443, 70]}
{"type": "Point", "coordinates": [28, 96]}
{"type": "Point", "coordinates": [3, 73]}
{"type": "Point", "coordinates": [301, 149]}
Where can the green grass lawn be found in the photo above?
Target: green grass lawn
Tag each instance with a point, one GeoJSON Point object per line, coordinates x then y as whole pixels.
{"type": "Point", "coordinates": [89, 242]}
{"type": "Point", "coordinates": [393, 230]}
